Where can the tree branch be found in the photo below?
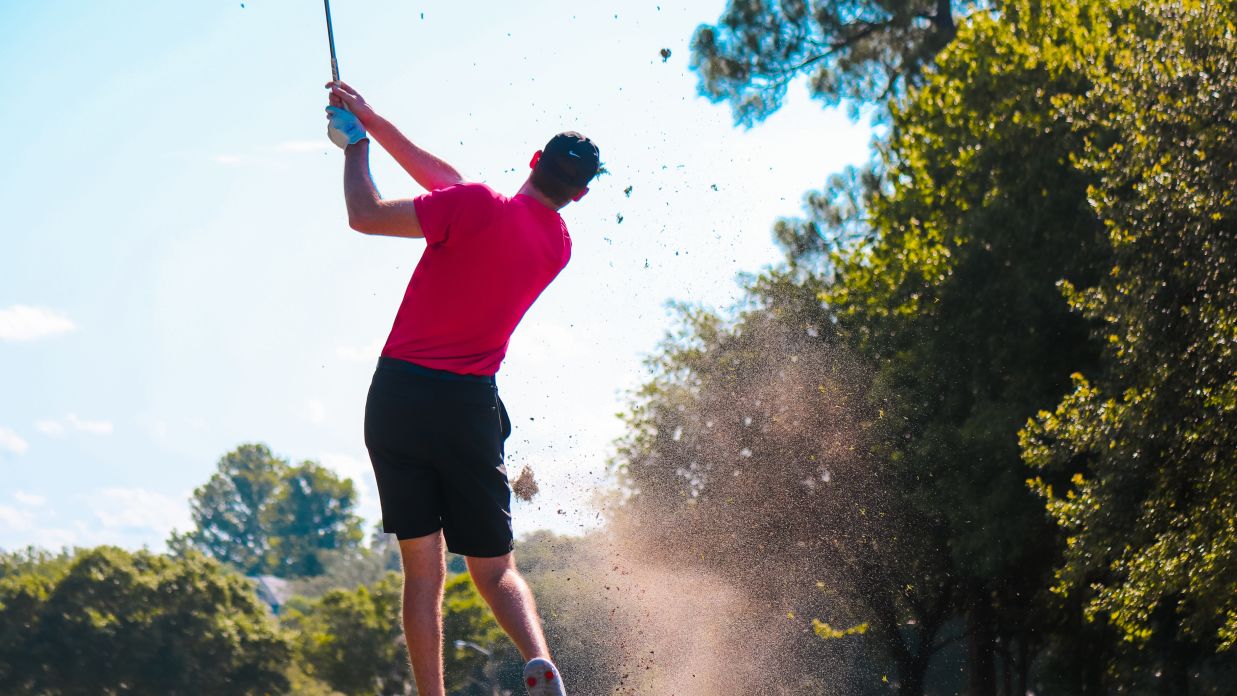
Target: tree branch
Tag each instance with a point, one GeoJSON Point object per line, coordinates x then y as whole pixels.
{"type": "Point", "coordinates": [869, 29]}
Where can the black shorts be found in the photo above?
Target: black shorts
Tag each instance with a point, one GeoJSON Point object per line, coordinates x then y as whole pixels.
{"type": "Point", "coordinates": [435, 440]}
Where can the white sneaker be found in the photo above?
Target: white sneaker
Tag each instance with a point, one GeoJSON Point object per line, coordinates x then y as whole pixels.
{"type": "Point", "coordinates": [542, 678]}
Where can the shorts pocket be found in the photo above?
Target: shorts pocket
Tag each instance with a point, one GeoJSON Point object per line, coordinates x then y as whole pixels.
{"type": "Point", "coordinates": [504, 421]}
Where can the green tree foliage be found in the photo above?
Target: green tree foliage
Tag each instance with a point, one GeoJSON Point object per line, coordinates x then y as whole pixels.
{"type": "Point", "coordinates": [227, 509]}
{"type": "Point", "coordinates": [940, 266]}
{"type": "Point", "coordinates": [108, 621]}
{"type": "Point", "coordinates": [27, 578]}
{"type": "Point", "coordinates": [1143, 452]}
{"type": "Point", "coordinates": [262, 515]}
{"type": "Point", "coordinates": [352, 639]}
{"type": "Point", "coordinates": [467, 618]}
{"type": "Point", "coordinates": [941, 272]}
{"type": "Point", "coordinates": [352, 567]}
{"type": "Point", "coordinates": [850, 50]}
{"type": "Point", "coordinates": [940, 263]}
{"type": "Point", "coordinates": [312, 514]}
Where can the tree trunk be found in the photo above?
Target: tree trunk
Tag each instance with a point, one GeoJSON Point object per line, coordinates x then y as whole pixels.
{"type": "Point", "coordinates": [1023, 666]}
{"type": "Point", "coordinates": [1007, 669]}
{"type": "Point", "coordinates": [981, 673]}
{"type": "Point", "coordinates": [911, 677]}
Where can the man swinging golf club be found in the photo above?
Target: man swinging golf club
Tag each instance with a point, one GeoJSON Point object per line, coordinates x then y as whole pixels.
{"type": "Point", "coordinates": [434, 424]}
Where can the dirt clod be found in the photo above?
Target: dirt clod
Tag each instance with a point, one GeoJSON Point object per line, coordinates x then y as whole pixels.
{"type": "Point", "coordinates": [525, 485]}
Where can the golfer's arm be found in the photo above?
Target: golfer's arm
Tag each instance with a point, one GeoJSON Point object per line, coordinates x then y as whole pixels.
{"type": "Point", "coordinates": [367, 211]}
{"type": "Point", "coordinates": [428, 171]}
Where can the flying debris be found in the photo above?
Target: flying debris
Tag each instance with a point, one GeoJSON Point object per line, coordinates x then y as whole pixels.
{"type": "Point", "coordinates": [525, 486]}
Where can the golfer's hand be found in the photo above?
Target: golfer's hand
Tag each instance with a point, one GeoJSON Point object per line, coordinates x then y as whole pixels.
{"type": "Point", "coordinates": [343, 128]}
{"type": "Point", "coordinates": [348, 98]}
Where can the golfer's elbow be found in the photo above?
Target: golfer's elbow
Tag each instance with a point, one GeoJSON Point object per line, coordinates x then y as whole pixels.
{"type": "Point", "coordinates": [385, 218]}
{"type": "Point", "coordinates": [363, 218]}
{"type": "Point", "coordinates": [361, 222]}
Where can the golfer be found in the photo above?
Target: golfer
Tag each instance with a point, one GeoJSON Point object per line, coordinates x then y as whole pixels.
{"type": "Point", "coordinates": [434, 424]}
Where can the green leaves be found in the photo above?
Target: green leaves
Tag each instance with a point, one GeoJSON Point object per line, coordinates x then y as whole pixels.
{"type": "Point", "coordinates": [1151, 444]}
{"type": "Point", "coordinates": [263, 516]}
{"type": "Point", "coordinates": [352, 639]}
{"type": "Point", "coordinates": [109, 621]}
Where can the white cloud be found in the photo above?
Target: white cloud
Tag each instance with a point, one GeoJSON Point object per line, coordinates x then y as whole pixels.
{"type": "Point", "coordinates": [12, 442]}
{"type": "Point", "coordinates": [88, 426]}
{"type": "Point", "coordinates": [228, 160]}
{"type": "Point", "coordinates": [138, 509]}
{"type": "Point", "coordinates": [22, 323]}
{"type": "Point", "coordinates": [315, 411]}
{"type": "Point", "coordinates": [55, 428]}
{"type": "Point", "coordinates": [29, 499]}
{"type": "Point", "coordinates": [14, 519]}
{"type": "Point", "coordinates": [362, 354]}
{"type": "Point", "coordinates": [49, 427]}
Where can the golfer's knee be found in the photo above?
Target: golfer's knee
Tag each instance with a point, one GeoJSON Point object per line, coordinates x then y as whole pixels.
{"type": "Point", "coordinates": [422, 559]}
{"type": "Point", "coordinates": [424, 579]}
{"type": "Point", "coordinates": [490, 573]}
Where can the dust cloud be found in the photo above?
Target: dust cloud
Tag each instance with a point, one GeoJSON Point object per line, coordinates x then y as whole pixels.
{"type": "Point", "coordinates": [748, 517]}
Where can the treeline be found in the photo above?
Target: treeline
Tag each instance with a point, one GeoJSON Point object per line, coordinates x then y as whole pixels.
{"type": "Point", "coordinates": [977, 434]}
{"type": "Point", "coordinates": [273, 591]}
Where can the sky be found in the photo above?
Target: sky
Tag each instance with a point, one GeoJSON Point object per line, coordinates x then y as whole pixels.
{"type": "Point", "coordinates": [177, 276]}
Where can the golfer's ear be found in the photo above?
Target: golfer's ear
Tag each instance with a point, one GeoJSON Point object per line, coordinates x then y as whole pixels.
{"type": "Point", "coordinates": [580, 195]}
{"type": "Point", "coordinates": [536, 158]}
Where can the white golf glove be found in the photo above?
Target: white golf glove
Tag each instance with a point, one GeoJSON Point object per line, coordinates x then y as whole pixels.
{"type": "Point", "coordinates": [343, 128]}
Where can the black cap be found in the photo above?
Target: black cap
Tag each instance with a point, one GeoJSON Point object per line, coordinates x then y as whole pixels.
{"type": "Point", "coordinates": [571, 158]}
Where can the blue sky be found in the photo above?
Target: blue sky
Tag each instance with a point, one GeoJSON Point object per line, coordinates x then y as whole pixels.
{"type": "Point", "coordinates": [177, 276]}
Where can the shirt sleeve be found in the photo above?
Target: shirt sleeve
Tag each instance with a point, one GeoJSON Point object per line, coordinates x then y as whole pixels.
{"type": "Point", "coordinates": [454, 210]}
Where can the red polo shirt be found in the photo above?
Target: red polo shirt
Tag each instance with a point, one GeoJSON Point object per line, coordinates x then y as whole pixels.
{"type": "Point", "coordinates": [487, 258]}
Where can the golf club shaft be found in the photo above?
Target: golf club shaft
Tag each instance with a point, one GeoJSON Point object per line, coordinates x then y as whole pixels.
{"type": "Point", "coordinates": [330, 35]}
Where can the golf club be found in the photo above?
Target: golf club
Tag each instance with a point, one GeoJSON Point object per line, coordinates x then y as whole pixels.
{"type": "Point", "coordinates": [330, 36]}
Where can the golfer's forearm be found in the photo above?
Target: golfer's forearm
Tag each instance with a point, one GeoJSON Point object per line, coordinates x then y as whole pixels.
{"type": "Point", "coordinates": [428, 170]}
{"type": "Point", "coordinates": [360, 194]}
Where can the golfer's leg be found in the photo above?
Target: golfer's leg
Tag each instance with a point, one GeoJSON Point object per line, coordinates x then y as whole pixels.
{"type": "Point", "coordinates": [424, 574]}
{"type": "Point", "coordinates": [502, 587]}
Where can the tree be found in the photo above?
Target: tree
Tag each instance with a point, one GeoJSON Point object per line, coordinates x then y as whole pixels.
{"type": "Point", "coordinates": [227, 510]}
{"type": "Point", "coordinates": [940, 271]}
{"type": "Point", "coordinates": [351, 567]}
{"type": "Point", "coordinates": [260, 514]}
{"type": "Point", "coordinates": [1138, 462]}
{"type": "Point", "coordinates": [312, 514]}
{"type": "Point", "coordinates": [352, 639]}
{"type": "Point", "coordinates": [850, 50]}
{"type": "Point", "coordinates": [468, 623]}
{"type": "Point", "coordinates": [27, 578]}
{"type": "Point", "coordinates": [112, 621]}
{"type": "Point", "coordinates": [939, 266]}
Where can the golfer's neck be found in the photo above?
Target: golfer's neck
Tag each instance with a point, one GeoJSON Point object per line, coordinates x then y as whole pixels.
{"type": "Point", "coordinates": [531, 191]}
